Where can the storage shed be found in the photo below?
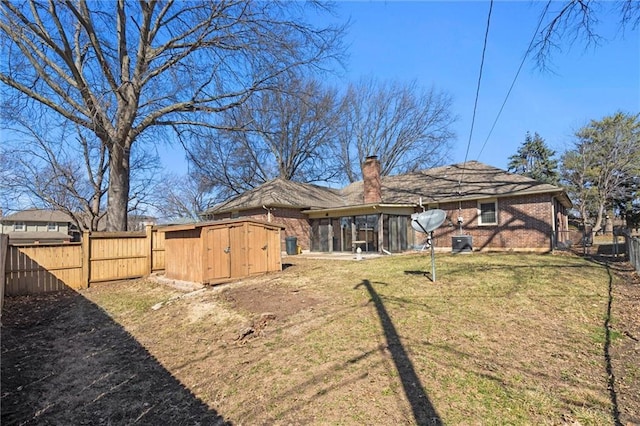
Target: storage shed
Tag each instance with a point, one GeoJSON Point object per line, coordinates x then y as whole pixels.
{"type": "Point", "coordinates": [215, 252]}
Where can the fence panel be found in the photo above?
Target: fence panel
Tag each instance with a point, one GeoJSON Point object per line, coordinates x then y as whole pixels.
{"type": "Point", "coordinates": [102, 256]}
{"type": "Point", "coordinates": [157, 251]}
{"type": "Point", "coordinates": [40, 269]}
{"type": "Point", "coordinates": [4, 245]}
{"type": "Point", "coordinates": [117, 255]}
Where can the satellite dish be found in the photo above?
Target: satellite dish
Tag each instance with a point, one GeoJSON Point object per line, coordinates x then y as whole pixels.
{"type": "Point", "coordinates": [428, 220]}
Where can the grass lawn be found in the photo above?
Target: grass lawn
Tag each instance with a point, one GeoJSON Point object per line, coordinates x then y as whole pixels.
{"type": "Point", "coordinates": [498, 339]}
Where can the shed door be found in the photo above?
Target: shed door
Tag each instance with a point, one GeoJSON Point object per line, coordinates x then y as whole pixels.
{"type": "Point", "coordinates": [238, 251]}
{"type": "Point", "coordinates": [273, 250]}
{"type": "Point", "coordinates": [217, 263]}
{"type": "Point", "coordinates": [257, 249]}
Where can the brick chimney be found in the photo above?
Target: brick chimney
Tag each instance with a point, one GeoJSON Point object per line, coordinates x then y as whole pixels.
{"type": "Point", "coordinates": [371, 180]}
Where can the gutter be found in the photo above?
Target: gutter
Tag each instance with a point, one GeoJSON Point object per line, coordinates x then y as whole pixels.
{"type": "Point", "coordinates": [373, 206]}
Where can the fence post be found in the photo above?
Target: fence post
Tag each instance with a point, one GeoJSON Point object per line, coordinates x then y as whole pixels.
{"type": "Point", "coordinates": [4, 242]}
{"type": "Point", "coordinates": [149, 231]}
{"type": "Point", "coordinates": [86, 258]}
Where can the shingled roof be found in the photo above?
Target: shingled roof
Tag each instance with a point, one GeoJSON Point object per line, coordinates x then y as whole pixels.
{"type": "Point", "coordinates": [463, 181]}
{"type": "Point", "coordinates": [37, 215]}
{"type": "Point", "coordinates": [470, 180]}
{"type": "Point", "coordinates": [282, 193]}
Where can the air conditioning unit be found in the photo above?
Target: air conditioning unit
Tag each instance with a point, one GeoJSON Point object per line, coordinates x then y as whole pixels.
{"type": "Point", "coordinates": [461, 244]}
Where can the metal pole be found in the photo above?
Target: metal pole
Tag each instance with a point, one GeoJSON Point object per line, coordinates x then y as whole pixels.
{"type": "Point", "coordinates": [433, 258]}
{"type": "Point", "coordinates": [433, 253]}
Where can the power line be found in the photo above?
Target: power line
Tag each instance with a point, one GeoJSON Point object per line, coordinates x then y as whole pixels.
{"type": "Point", "coordinates": [475, 104]}
{"type": "Point", "coordinates": [524, 57]}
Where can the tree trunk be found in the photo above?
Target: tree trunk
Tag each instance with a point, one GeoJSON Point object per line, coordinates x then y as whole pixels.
{"type": "Point", "coordinates": [598, 225]}
{"type": "Point", "coordinates": [118, 192]}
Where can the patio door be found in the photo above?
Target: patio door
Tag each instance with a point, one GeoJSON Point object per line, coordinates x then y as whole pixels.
{"type": "Point", "coordinates": [320, 231]}
{"type": "Point", "coordinates": [395, 233]}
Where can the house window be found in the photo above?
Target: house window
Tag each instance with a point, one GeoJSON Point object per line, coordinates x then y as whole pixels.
{"type": "Point", "coordinates": [52, 227]}
{"type": "Point", "coordinates": [488, 212]}
{"type": "Point", "coordinates": [19, 226]}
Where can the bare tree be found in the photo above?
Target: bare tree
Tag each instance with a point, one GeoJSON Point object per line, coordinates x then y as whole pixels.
{"type": "Point", "coordinates": [406, 126]}
{"type": "Point", "coordinates": [287, 133]}
{"type": "Point", "coordinates": [119, 69]}
{"type": "Point", "coordinates": [61, 166]}
{"type": "Point", "coordinates": [572, 21]}
{"type": "Point", "coordinates": [181, 197]}
{"type": "Point", "coordinates": [7, 198]}
{"type": "Point", "coordinates": [57, 167]}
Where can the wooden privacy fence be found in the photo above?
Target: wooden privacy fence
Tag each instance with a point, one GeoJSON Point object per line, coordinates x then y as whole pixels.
{"type": "Point", "coordinates": [4, 244]}
{"type": "Point", "coordinates": [102, 256]}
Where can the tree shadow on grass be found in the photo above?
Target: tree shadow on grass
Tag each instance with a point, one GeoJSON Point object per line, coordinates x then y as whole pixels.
{"type": "Point", "coordinates": [616, 263]}
{"type": "Point", "coordinates": [65, 361]}
{"type": "Point", "coordinates": [424, 413]}
{"type": "Point", "coordinates": [606, 261]}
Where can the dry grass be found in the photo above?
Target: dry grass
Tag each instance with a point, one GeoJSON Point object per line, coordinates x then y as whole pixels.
{"type": "Point", "coordinates": [499, 339]}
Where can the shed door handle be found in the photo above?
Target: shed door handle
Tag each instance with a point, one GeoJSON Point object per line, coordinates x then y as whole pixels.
{"type": "Point", "coordinates": [227, 250]}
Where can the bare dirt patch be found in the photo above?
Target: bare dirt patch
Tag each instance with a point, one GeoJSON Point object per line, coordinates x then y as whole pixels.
{"type": "Point", "coordinates": [269, 297]}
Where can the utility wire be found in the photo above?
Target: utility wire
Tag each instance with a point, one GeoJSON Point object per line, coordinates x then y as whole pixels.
{"type": "Point", "coordinates": [524, 57]}
{"type": "Point", "coordinates": [475, 104]}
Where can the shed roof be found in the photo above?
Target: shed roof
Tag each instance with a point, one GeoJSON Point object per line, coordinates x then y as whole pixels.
{"type": "Point", "coordinates": [194, 225]}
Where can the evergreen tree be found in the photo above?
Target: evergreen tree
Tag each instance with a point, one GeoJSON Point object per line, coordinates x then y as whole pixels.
{"type": "Point", "coordinates": [602, 171]}
{"type": "Point", "coordinates": [535, 160]}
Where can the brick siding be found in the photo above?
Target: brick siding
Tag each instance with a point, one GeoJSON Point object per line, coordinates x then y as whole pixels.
{"type": "Point", "coordinates": [524, 223]}
{"type": "Point", "coordinates": [296, 224]}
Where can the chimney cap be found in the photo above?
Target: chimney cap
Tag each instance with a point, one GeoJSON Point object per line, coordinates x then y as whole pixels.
{"type": "Point", "coordinates": [371, 157]}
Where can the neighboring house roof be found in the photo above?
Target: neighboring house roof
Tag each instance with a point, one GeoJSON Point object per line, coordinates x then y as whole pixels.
{"type": "Point", "coordinates": [282, 193]}
{"type": "Point", "coordinates": [37, 215]}
{"type": "Point", "coordinates": [463, 181]}
{"type": "Point", "coordinates": [142, 218]}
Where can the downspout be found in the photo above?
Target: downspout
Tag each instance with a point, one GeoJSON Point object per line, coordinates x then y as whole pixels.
{"type": "Point", "coordinates": [268, 213]}
{"type": "Point", "coordinates": [554, 230]}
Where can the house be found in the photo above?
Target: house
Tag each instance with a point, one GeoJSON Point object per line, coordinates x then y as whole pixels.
{"type": "Point", "coordinates": [38, 226]}
{"type": "Point", "coordinates": [54, 226]}
{"type": "Point", "coordinates": [138, 222]}
{"type": "Point", "coordinates": [498, 210]}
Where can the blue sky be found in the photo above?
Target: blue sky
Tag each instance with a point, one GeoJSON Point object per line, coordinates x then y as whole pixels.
{"type": "Point", "coordinates": [439, 44]}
